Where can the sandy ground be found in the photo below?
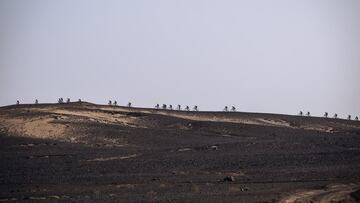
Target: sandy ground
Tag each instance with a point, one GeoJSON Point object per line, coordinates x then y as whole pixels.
{"type": "Point", "coordinates": [38, 127]}
{"type": "Point", "coordinates": [85, 152]}
{"type": "Point", "coordinates": [331, 193]}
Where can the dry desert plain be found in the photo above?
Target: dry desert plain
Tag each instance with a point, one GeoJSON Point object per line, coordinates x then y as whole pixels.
{"type": "Point", "coordinates": [95, 153]}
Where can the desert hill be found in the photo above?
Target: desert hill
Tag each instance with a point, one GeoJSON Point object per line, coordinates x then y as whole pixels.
{"type": "Point", "coordinates": [88, 152]}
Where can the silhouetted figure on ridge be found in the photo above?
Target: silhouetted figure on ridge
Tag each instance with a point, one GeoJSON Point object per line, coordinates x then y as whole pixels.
{"type": "Point", "coordinates": [68, 100]}
{"type": "Point", "coordinates": [187, 108]}
{"type": "Point", "coordinates": [129, 105]}
{"type": "Point", "coordinates": [164, 106]}
{"type": "Point", "coordinates": [349, 117]}
{"type": "Point", "coordinates": [170, 107]}
{"type": "Point", "coordinates": [301, 113]}
{"type": "Point", "coordinates": [335, 116]}
{"type": "Point", "coordinates": [178, 107]}
{"type": "Point", "coordinates": [356, 118]}
{"type": "Point", "coordinates": [110, 103]}
{"type": "Point", "coordinates": [36, 101]}
{"type": "Point", "coordinates": [225, 108]}
{"type": "Point", "coordinates": [326, 114]}
{"type": "Point", "coordinates": [233, 109]}
{"type": "Point", "coordinates": [17, 102]}
{"type": "Point", "coordinates": [196, 108]}
{"type": "Point", "coordinates": [115, 103]}
{"type": "Point", "coordinates": [157, 106]}
{"type": "Point", "coordinates": [308, 113]}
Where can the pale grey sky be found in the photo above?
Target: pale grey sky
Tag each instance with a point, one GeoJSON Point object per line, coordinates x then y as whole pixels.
{"type": "Point", "coordinates": [277, 56]}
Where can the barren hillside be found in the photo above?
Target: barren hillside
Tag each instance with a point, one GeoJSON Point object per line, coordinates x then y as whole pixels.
{"type": "Point", "coordinates": [87, 152]}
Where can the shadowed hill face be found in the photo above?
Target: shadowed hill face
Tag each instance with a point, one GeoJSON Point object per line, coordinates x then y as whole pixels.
{"type": "Point", "coordinates": [136, 154]}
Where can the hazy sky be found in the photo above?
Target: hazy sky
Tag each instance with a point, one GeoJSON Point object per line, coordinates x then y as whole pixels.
{"type": "Point", "coordinates": [277, 56]}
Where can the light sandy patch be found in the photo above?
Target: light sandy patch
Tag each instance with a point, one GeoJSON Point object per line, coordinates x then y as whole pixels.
{"type": "Point", "coordinates": [212, 118]}
{"type": "Point", "coordinates": [124, 109]}
{"type": "Point", "coordinates": [274, 122]}
{"type": "Point", "coordinates": [54, 196]}
{"type": "Point", "coordinates": [44, 128]}
{"type": "Point", "coordinates": [317, 127]}
{"type": "Point", "coordinates": [113, 158]}
{"type": "Point", "coordinates": [249, 121]}
{"type": "Point", "coordinates": [37, 127]}
{"type": "Point", "coordinates": [37, 198]}
{"type": "Point", "coordinates": [333, 193]}
{"type": "Point", "coordinates": [183, 149]}
{"type": "Point", "coordinates": [101, 117]}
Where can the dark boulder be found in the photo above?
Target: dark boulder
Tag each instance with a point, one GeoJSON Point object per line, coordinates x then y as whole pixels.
{"type": "Point", "coordinates": [229, 179]}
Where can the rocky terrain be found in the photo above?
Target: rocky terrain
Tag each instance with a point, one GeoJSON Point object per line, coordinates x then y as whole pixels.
{"type": "Point", "coordinates": [95, 153]}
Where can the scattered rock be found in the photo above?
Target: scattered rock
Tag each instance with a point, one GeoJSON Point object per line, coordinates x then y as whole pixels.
{"type": "Point", "coordinates": [214, 147]}
{"type": "Point", "coordinates": [244, 189]}
{"type": "Point", "coordinates": [229, 179]}
{"type": "Point", "coordinates": [238, 189]}
{"type": "Point", "coordinates": [152, 195]}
